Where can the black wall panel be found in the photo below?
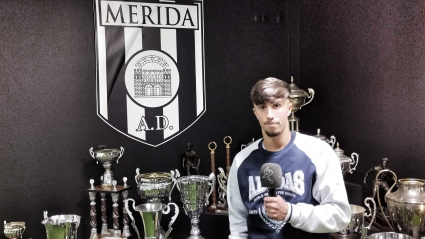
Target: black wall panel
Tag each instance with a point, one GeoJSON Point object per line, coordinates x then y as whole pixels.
{"type": "Point", "coordinates": [48, 115]}
{"type": "Point", "coordinates": [365, 60]}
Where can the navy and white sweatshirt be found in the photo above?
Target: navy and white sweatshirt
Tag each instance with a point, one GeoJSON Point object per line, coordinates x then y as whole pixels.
{"type": "Point", "coordinates": [312, 185]}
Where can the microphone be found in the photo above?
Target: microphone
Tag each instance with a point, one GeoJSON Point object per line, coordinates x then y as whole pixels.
{"type": "Point", "coordinates": [271, 177]}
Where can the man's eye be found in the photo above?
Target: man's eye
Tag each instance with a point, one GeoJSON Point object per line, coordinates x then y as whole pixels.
{"type": "Point", "coordinates": [261, 107]}
{"type": "Point", "coordinates": [277, 106]}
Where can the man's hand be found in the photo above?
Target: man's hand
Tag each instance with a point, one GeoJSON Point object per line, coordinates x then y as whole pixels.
{"type": "Point", "coordinates": [276, 207]}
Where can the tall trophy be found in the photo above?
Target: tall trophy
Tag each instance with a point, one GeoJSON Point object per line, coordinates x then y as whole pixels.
{"type": "Point", "coordinates": [14, 230]}
{"type": "Point", "coordinates": [297, 97]}
{"type": "Point", "coordinates": [222, 179]}
{"type": "Point", "coordinates": [61, 226]}
{"type": "Point", "coordinates": [106, 157]}
{"type": "Point", "coordinates": [195, 191]}
{"type": "Point", "coordinates": [153, 187]}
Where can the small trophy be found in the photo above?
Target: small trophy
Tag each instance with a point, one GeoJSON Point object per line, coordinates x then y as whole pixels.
{"type": "Point", "coordinates": [195, 191]}
{"type": "Point", "coordinates": [345, 161]}
{"type": "Point", "coordinates": [297, 97]}
{"type": "Point", "coordinates": [14, 230]}
{"type": "Point", "coordinates": [330, 141]}
{"type": "Point", "coordinates": [61, 226]}
{"type": "Point", "coordinates": [106, 157]}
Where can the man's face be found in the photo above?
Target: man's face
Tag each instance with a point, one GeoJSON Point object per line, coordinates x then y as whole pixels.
{"type": "Point", "coordinates": [273, 116]}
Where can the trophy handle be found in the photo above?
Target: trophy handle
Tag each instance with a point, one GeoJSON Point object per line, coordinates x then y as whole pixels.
{"type": "Point", "coordinates": [174, 175]}
{"type": "Point", "coordinates": [131, 215]}
{"type": "Point", "coordinates": [92, 153]}
{"type": "Point", "coordinates": [388, 192]}
{"type": "Point", "coordinates": [121, 153]}
{"type": "Point", "coordinates": [173, 218]}
{"type": "Point", "coordinates": [333, 140]}
{"type": "Point", "coordinates": [211, 178]}
{"type": "Point", "coordinates": [355, 160]}
{"type": "Point", "coordinates": [371, 212]}
{"type": "Point", "coordinates": [137, 174]}
{"type": "Point", "coordinates": [310, 96]}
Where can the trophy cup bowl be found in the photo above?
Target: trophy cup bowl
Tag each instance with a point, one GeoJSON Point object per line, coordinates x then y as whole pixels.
{"type": "Point", "coordinates": [153, 186]}
{"type": "Point", "coordinates": [407, 207]}
{"type": "Point", "coordinates": [61, 226]}
{"type": "Point", "coordinates": [151, 215]}
{"type": "Point", "coordinates": [194, 195]}
{"type": "Point", "coordinates": [14, 230]}
{"type": "Point", "coordinates": [106, 157]}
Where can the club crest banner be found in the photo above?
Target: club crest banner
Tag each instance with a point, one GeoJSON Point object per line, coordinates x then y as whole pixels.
{"type": "Point", "coordinates": [150, 67]}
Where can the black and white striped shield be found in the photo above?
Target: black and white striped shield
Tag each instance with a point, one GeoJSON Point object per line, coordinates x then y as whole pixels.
{"type": "Point", "coordinates": [150, 67]}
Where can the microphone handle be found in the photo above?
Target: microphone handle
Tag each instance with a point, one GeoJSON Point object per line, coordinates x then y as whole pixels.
{"type": "Point", "coordinates": [272, 192]}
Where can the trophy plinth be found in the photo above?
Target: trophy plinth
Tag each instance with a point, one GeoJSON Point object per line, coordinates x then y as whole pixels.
{"type": "Point", "coordinates": [14, 230]}
{"type": "Point", "coordinates": [114, 191]}
{"type": "Point", "coordinates": [194, 195]}
{"type": "Point", "coordinates": [106, 157]}
{"type": "Point", "coordinates": [297, 98]}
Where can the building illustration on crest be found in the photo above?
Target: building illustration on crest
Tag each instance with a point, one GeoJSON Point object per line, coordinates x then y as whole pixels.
{"type": "Point", "coordinates": [149, 81]}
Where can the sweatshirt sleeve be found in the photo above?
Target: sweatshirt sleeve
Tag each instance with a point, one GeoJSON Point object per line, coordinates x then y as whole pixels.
{"type": "Point", "coordinates": [333, 212]}
{"type": "Point", "coordinates": [237, 210]}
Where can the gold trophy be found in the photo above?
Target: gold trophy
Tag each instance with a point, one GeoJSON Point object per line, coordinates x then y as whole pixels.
{"type": "Point", "coordinates": [297, 97]}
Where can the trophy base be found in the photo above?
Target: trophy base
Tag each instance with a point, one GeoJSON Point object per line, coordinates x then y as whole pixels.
{"type": "Point", "coordinates": [195, 237]}
{"type": "Point", "coordinates": [212, 209]}
{"type": "Point", "coordinates": [222, 212]}
{"type": "Point", "coordinates": [109, 234]}
{"type": "Point", "coordinates": [107, 186]}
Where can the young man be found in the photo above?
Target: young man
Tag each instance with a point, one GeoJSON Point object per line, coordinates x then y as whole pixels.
{"type": "Point", "coordinates": [312, 200]}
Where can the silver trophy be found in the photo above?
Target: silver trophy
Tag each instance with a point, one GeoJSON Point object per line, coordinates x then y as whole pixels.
{"type": "Point", "coordinates": [61, 226]}
{"type": "Point", "coordinates": [331, 141]}
{"type": "Point", "coordinates": [153, 186]}
{"type": "Point", "coordinates": [406, 205]}
{"type": "Point", "coordinates": [106, 157]}
{"type": "Point", "coordinates": [356, 226]}
{"type": "Point", "coordinates": [195, 191]}
{"type": "Point", "coordinates": [14, 230]}
{"type": "Point", "coordinates": [345, 161]}
{"type": "Point", "coordinates": [151, 215]}
{"type": "Point", "coordinates": [297, 98]}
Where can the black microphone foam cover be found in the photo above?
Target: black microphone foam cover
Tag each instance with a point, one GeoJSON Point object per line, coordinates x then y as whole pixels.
{"type": "Point", "coordinates": [271, 175]}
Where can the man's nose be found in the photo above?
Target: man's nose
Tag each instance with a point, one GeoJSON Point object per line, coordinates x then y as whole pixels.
{"type": "Point", "coordinates": [269, 113]}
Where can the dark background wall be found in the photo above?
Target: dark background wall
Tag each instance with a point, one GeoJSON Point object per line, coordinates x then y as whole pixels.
{"type": "Point", "coordinates": [364, 60]}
